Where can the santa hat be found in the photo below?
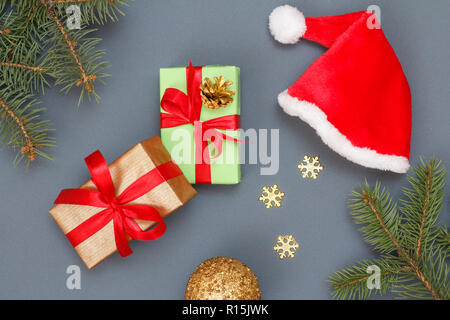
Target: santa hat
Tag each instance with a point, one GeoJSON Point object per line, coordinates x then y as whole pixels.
{"type": "Point", "coordinates": [355, 95]}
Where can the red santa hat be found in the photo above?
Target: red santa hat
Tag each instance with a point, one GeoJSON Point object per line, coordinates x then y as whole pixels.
{"type": "Point", "coordinates": [355, 95]}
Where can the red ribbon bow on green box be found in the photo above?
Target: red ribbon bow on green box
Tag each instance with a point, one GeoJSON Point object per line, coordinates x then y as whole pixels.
{"type": "Point", "coordinates": [186, 109]}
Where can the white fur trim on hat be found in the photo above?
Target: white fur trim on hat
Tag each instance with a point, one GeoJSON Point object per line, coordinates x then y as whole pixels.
{"type": "Point", "coordinates": [287, 24]}
{"type": "Point", "coordinates": [316, 118]}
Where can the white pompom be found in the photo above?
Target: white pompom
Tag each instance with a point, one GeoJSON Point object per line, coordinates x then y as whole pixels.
{"type": "Point", "coordinates": [287, 24]}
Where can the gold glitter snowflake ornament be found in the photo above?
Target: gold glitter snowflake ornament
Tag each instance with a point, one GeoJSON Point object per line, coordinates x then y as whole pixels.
{"type": "Point", "coordinates": [271, 196]}
{"type": "Point", "coordinates": [286, 246]}
{"type": "Point", "coordinates": [310, 167]}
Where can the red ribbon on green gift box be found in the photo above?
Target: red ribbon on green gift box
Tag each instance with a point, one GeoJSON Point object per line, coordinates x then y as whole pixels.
{"type": "Point", "coordinates": [184, 109]}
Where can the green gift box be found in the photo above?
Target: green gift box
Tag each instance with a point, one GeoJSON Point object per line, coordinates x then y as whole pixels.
{"type": "Point", "coordinates": [183, 116]}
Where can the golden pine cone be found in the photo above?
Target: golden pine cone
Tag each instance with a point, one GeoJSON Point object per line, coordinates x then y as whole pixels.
{"type": "Point", "coordinates": [223, 278]}
{"type": "Point", "coordinates": [216, 95]}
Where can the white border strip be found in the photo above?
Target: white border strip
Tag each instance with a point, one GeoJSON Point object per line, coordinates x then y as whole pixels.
{"type": "Point", "coordinates": [311, 114]}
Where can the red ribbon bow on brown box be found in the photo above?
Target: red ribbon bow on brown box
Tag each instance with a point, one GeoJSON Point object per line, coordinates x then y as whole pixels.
{"type": "Point", "coordinates": [148, 185]}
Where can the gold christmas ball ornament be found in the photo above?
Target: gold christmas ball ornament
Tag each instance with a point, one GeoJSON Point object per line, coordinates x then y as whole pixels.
{"type": "Point", "coordinates": [223, 278]}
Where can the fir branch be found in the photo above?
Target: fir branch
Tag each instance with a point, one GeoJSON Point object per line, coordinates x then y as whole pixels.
{"type": "Point", "coordinates": [352, 281]}
{"type": "Point", "coordinates": [421, 208]}
{"type": "Point", "coordinates": [98, 11]}
{"type": "Point", "coordinates": [412, 233]}
{"type": "Point", "coordinates": [25, 21]}
{"type": "Point", "coordinates": [22, 76]}
{"type": "Point", "coordinates": [92, 11]}
{"type": "Point", "coordinates": [29, 148]}
{"type": "Point", "coordinates": [19, 52]}
{"type": "Point", "coordinates": [378, 215]}
{"type": "Point", "coordinates": [435, 270]}
{"type": "Point", "coordinates": [85, 78]}
{"type": "Point", "coordinates": [21, 128]}
{"type": "Point", "coordinates": [68, 71]}
{"type": "Point", "coordinates": [370, 200]}
{"type": "Point", "coordinates": [46, 15]}
{"type": "Point", "coordinates": [19, 69]}
{"type": "Point", "coordinates": [22, 66]}
{"type": "Point", "coordinates": [35, 47]}
{"type": "Point", "coordinates": [10, 27]}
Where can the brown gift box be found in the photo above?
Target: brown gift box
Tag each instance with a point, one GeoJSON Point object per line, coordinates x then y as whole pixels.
{"type": "Point", "coordinates": [166, 198]}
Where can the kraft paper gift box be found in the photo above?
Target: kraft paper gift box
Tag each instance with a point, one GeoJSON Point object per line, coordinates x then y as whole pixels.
{"type": "Point", "coordinates": [224, 169]}
{"type": "Point", "coordinates": [165, 197]}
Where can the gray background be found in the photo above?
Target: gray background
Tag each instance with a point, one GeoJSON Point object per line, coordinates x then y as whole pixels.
{"type": "Point", "coordinates": [221, 220]}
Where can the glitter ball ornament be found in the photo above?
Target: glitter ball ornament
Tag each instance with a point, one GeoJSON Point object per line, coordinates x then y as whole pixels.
{"type": "Point", "coordinates": [223, 278]}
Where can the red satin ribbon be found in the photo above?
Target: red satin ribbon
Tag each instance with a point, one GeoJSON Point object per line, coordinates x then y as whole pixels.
{"type": "Point", "coordinates": [186, 109]}
{"type": "Point", "coordinates": [116, 208]}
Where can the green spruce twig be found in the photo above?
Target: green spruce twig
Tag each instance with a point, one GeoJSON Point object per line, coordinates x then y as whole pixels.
{"type": "Point", "coordinates": [36, 49]}
{"type": "Point", "coordinates": [408, 236]}
{"type": "Point", "coordinates": [21, 127]}
{"type": "Point", "coordinates": [72, 57]}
